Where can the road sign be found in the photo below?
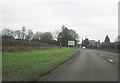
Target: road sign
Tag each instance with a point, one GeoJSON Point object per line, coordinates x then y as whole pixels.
{"type": "Point", "coordinates": [71, 42]}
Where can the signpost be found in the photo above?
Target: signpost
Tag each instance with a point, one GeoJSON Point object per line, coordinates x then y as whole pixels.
{"type": "Point", "coordinates": [71, 43]}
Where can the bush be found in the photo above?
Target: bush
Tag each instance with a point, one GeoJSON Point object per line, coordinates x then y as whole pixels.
{"type": "Point", "coordinates": [13, 45]}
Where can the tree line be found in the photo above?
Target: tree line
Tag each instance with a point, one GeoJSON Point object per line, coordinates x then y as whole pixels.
{"type": "Point", "coordinates": [63, 36]}
{"type": "Point", "coordinates": [86, 42]}
{"type": "Point", "coordinates": [106, 45]}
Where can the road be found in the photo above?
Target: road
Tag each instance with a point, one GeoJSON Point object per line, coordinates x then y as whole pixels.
{"type": "Point", "coordinates": [89, 65]}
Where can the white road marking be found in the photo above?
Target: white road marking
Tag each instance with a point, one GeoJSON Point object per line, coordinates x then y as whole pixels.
{"type": "Point", "coordinates": [101, 55]}
{"type": "Point", "coordinates": [111, 60]}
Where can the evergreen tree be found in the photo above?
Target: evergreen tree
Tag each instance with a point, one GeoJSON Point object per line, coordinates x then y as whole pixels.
{"type": "Point", "coordinates": [86, 42]}
{"type": "Point", "coordinates": [107, 39]}
{"type": "Point", "coordinates": [67, 35]}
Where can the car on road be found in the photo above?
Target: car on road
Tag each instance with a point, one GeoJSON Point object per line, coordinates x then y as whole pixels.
{"type": "Point", "coordinates": [83, 47]}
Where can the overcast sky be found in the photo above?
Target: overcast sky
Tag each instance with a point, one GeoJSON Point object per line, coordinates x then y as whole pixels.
{"type": "Point", "coordinates": [90, 18]}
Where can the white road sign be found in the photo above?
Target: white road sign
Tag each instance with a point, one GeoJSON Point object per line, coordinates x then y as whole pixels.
{"type": "Point", "coordinates": [71, 42]}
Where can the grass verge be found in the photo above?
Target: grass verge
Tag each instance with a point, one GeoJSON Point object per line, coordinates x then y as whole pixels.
{"type": "Point", "coordinates": [30, 65]}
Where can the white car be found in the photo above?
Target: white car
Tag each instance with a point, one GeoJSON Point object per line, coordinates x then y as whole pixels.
{"type": "Point", "coordinates": [83, 47]}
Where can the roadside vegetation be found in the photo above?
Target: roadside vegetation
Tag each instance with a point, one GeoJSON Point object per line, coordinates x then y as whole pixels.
{"type": "Point", "coordinates": [30, 65]}
{"type": "Point", "coordinates": [12, 45]}
{"type": "Point", "coordinates": [27, 55]}
{"type": "Point", "coordinates": [107, 49]}
{"type": "Point", "coordinates": [23, 40]}
{"type": "Point", "coordinates": [106, 45]}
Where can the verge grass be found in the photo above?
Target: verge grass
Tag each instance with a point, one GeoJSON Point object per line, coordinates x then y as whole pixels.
{"type": "Point", "coordinates": [30, 65]}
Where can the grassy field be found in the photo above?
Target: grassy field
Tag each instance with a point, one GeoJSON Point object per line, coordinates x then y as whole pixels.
{"type": "Point", "coordinates": [30, 65]}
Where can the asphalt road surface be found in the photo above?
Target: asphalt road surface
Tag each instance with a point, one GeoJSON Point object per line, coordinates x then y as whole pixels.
{"type": "Point", "coordinates": [90, 65]}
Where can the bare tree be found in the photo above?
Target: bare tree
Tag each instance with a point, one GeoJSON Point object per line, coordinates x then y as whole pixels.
{"type": "Point", "coordinates": [37, 36]}
{"type": "Point", "coordinates": [7, 32]}
{"type": "Point", "coordinates": [29, 35]}
{"type": "Point", "coordinates": [17, 34]}
{"type": "Point", "coordinates": [55, 34]}
{"type": "Point", "coordinates": [23, 33]}
{"type": "Point", "coordinates": [47, 37]}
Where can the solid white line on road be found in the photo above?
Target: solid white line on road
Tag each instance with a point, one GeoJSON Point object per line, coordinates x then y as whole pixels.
{"type": "Point", "coordinates": [111, 60]}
